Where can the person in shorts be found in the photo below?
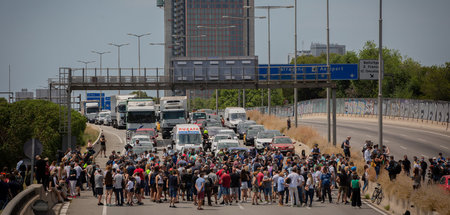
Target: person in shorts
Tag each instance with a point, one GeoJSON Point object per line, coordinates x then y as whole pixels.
{"type": "Point", "coordinates": [99, 181]}
{"type": "Point", "coordinates": [173, 184]}
{"type": "Point", "coordinates": [200, 187]}
{"type": "Point", "coordinates": [103, 145]}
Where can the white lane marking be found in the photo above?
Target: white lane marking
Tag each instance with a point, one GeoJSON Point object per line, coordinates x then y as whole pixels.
{"type": "Point", "coordinates": [104, 209]}
{"type": "Point", "coordinates": [240, 206]}
{"type": "Point", "coordinates": [403, 147]}
{"type": "Point", "coordinates": [120, 139]}
{"type": "Point", "coordinates": [443, 147]}
{"type": "Point", "coordinates": [374, 208]}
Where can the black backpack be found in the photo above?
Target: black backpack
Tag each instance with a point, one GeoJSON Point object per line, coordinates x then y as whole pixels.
{"type": "Point", "coordinates": [397, 168]}
{"type": "Point", "coordinates": [342, 145]}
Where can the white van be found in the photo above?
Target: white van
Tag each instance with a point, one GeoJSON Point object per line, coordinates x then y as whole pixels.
{"type": "Point", "coordinates": [234, 115]}
{"type": "Point", "coordinates": [186, 136]}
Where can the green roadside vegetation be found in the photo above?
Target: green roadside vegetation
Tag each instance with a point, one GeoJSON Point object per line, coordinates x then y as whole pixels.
{"type": "Point", "coordinates": [20, 121]}
{"type": "Point", "coordinates": [404, 78]}
{"type": "Point", "coordinates": [90, 133]}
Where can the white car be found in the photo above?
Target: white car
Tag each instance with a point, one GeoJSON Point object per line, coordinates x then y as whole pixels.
{"type": "Point", "coordinates": [263, 139]}
{"type": "Point", "coordinates": [218, 138]}
{"type": "Point", "coordinates": [142, 139]}
{"type": "Point", "coordinates": [226, 144]}
{"type": "Point", "coordinates": [229, 132]}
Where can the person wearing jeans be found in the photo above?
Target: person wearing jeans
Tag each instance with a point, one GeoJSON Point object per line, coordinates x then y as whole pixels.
{"type": "Point", "coordinates": [118, 189]}
{"type": "Point", "coordinates": [309, 188]}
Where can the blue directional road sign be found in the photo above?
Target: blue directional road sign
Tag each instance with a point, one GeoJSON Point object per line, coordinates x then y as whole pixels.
{"type": "Point", "coordinates": [105, 101]}
{"type": "Point", "coordinates": [309, 72]}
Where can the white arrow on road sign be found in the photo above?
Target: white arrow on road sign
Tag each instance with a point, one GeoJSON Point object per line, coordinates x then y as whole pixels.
{"type": "Point", "coordinates": [368, 69]}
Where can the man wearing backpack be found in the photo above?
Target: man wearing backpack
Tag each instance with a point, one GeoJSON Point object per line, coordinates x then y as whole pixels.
{"type": "Point", "coordinates": [394, 168]}
{"type": "Point", "coordinates": [346, 146]}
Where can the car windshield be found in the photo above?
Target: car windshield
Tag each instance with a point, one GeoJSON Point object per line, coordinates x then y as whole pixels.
{"type": "Point", "coordinates": [122, 108]}
{"type": "Point", "coordinates": [275, 132]}
{"type": "Point", "coordinates": [264, 135]}
{"type": "Point", "coordinates": [92, 110]}
{"type": "Point", "coordinates": [196, 116]}
{"type": "Point", "coordinates": [213, 123]}
{"type": "Point", "coordinates": [148, 132]}
{"type": "Point", "coordinates": [283, 141]}
{"type": "Point", "coordinates": [173, 115]}
{"type": "Point", "coordinates": [142, 148]}
{"type": "Point", "coordinates": [190, 138]}
{"type": "Point", "coordinates": [227, 145]}
{"type": "Point", "coordinates": [236, 116]}
{"type": "Point", "coordinates": [141, 139]}
{"type": "Point", "coordinates": [256, 127]}
{"type": "Point", "coordinates": [231, 133]}
{"type": "Point", "coordinates": [103, 114]}
{"type": "Point", "coordinates": [212, 131]}
{"type": "Point", "coordinates": [221, 137]}
{"type": "Point", "coordinates": [141, 117]}
{"type": "Point", "coordinates": [252, 133]}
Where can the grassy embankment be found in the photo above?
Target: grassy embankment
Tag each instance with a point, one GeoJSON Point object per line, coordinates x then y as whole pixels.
{"type": "Point", "coordinates": [90, 133]}
{"type": "Point", "coordinates": [431, 198]}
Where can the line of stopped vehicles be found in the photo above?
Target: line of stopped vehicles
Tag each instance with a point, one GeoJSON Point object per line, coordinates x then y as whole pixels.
{"type": "Point", "coordinates": [199, 130]}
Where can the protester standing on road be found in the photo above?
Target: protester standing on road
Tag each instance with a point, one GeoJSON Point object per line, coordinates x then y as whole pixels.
{"type": "Point", "coordinates": [289, 123]}
{"type": "Point", "coordinates": [346, 146]}
{"type": "Point", "coordinates": [356, 192]}
{"type": "Point", "coordinates": [118, 187]}
{"type": "Point", "coordinates": [172, 185]}
{"type": "Point", "coordinates": [103, 145]}
{"type": "Point", "coordinates": [406, 165]}
{"type": "Point", "coordinates": [108, 185]}
{"type": "Point", "coordinates": [99, 180]}
{"type": "Point", "coordinates": [325, 181]}
{"type": "Point", "coordinates": [309, 189]}
{"type": "Point", "coordinates": [200, 187]}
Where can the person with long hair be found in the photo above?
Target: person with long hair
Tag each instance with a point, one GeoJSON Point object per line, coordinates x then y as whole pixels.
{"type": "Point", "coordinates": [309, 188]}
{"type": "Point", "coordinates": [108, 185]}
{"type": "Point", "coordinates": [244, 184]}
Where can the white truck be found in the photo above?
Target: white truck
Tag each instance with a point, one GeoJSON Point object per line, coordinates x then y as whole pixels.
{"type": "Point", "coordinates": [233, 115]}
{"type": "Point", "coordinates": [119, 110]}
{"type": "Point", "coordinates": [91, 109]}
{"type": "Point", "coordinates": [173, 111]}
{"type": "Point", "coordinates": [140, 114]}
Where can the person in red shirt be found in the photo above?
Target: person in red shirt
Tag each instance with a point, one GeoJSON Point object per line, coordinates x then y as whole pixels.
{"type": "Point", "coordinates": [225, 180]}
{"type": "Point", "coordinates": [140, 172]}
{"type": "Point", "coordinates": [259, 178]}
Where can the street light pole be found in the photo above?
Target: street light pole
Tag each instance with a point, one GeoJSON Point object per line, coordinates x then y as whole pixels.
{"type": "Point", "coordinates": [118, 56]}
{"type": "Point", "coordinates": [101, 54]}
{"type": "Point", "coordinates": [85, 70]}
{"type": "Point", "coordinates": [139, 53]}
{"type": "Point", "coordinates": [268, 43]}
{"type": "Point", "coordinates": [295, 66]}
{"type": "Point", "coordinates": [380, 77]}
{"type": "Point", "coordinates": [328, 71]}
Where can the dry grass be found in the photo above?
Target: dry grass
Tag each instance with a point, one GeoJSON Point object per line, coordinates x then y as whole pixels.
{"type": "Point", "coordinates": [428, 197]}
{"type": "Point", "coordinates": [432, 198]}
{"type": "Point", "coordinates": [90, 133]}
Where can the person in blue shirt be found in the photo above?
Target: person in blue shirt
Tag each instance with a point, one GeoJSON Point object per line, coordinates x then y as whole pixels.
{"type": "Point", "coordinates": [325, 181]}
{"type": "Point", "coordinates": [200, 186]}
{"type": "Point", "coordinates": [280, 188]}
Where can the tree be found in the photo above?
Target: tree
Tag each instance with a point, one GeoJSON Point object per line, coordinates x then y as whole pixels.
{"type": "Point", "coordinates": [140, 94]}
{"type": "Point", "coordinates": [436, 84]}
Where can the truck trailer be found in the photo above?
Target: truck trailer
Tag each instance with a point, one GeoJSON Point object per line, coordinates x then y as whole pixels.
{"type": "Point", "coordinates": [173, 111]}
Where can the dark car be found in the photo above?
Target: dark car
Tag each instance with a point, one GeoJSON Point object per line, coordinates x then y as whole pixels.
{"type": "Point", "coordinates": [250, 137]}
{"type": "Point", "coordinates": [284, 144]}
{"type": "Point", "coordinates": [242, 127]}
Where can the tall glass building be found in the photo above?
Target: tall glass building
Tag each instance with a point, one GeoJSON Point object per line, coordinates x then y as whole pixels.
{"type": "Point", "coordinates": [197, 28]}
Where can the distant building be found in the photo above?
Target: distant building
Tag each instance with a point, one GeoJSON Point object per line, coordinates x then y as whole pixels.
{"type": "Point", "coordinates": [196, 28]}
{"type": "Point", "coordinates": [54, 95]}
{"type": "Point", "coordinates": [317, 49]}
{"type": "Point", "coordinates": [24, 95]}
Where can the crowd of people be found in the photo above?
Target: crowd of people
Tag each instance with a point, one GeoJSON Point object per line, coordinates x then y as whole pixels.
{"type": "Point", "coordinates": [268, 177]}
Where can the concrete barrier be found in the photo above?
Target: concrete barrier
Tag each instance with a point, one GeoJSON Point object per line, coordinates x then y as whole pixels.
{"type": "Point", "coordinates": [22, 203]}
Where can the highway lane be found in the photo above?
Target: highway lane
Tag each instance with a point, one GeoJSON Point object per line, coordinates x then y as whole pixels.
{"type": "Point", "coordinates": [399, 138]}
{"type": "Point", "coordinates": [87, 204]}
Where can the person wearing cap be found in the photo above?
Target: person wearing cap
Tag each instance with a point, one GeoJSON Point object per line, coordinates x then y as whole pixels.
{"type": "Point", "coordinates": [346, 146]}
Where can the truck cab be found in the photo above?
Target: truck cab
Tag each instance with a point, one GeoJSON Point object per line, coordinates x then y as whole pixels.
{"type": "Point", "coordinates": [173, 111]}
{"type": "Point", "coordinates": [140, 114]}
{"type": "Point", "coordinates": [91, 111]}
{"type": "Point", "coordinates": [234, 115]}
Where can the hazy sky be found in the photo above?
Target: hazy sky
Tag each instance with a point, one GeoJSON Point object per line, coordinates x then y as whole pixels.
{"type": "Point", "coordinates": [38, 37]}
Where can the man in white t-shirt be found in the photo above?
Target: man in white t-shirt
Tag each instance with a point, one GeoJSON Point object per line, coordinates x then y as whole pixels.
{"type": "Point", "coordinates": [294, 179]}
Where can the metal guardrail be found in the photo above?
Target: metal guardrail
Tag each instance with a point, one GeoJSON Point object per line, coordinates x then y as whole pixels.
{"type": "Point", "coordinates": [424, 110]}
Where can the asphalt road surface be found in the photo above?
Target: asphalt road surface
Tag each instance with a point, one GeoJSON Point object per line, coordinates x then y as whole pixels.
{"type": "Point", "coordinates": [400, 139]}
{"type": "Point", "coordinates": [87, 204]}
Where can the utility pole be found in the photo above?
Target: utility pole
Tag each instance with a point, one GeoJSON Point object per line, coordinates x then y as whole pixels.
{"type": "Point", "coordinates": [9, 84]}
{"type": "Point", "coordinates": [328, 74]}
{"type": "Point", "coordinates": [85, 72]}
{"type": "Point", "coordinates": [295, 67]}
{"type": "Point", "coordinates": [139, 54]}
{"type": "Point", "coordinates": [380, 77]}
